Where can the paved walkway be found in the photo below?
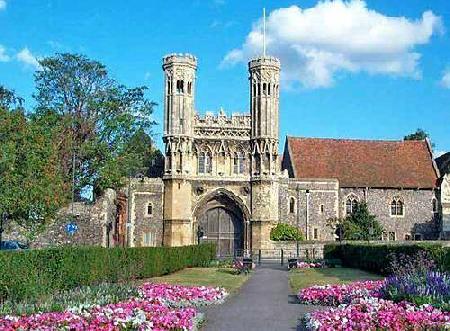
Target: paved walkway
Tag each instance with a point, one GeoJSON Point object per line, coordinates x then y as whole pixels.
{"type": "Point", "coordinates": [263, 303]}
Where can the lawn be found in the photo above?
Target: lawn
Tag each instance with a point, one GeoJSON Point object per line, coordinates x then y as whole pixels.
{"type": "Point", "coordinates": [221, 277]}
{"type": "Point", "coordinates": [301, 278]}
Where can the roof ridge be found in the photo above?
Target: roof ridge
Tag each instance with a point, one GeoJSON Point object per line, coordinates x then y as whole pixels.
{"type": "Point", "coordinates": [355, 139]}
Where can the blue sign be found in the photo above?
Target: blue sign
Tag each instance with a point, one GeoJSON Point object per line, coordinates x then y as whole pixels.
{"type": "Point", "coordinates": [71, 228]}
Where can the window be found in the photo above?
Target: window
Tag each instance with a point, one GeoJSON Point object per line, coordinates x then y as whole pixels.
{"type": "Point", "coordinates": [180, 86]}
{"type": "Point", "coordinates": [392, 236]}
{"type": "Point", "coordinates": [316, 234]}
{"type": "Point", "coordinates": [322, 209]}
{"type": "Point", "coordinates": [350, 205]}
{"type": "Point", "coordinates": [148, 239]}
{"type": "Point", "coordinates": [417, 236]}
{"type": "Point", "coordinates": [397, 207]}
{"type": "Point", "coordinates": [189, 86]}
{"type": "Point", "coordinates": [407, 236]}
{"type": "Point", "coordinates": [238, 163]}
{"type": "Point", "coordinates": [435, 205]}
{"type": "Point", "coordinates": [204, 163]}
{"type": "Point", "coordinates": [292, 205]}
{"type": "Point", "coordinates": [149, 209]}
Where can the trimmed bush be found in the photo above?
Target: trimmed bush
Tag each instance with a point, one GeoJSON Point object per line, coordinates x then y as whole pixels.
{"type": "Point", "coordinates": [32, 273]}
{"type": "Point", "coordinates": [377, 257]}
{"type": "Point", "coordinates": [285, 232]}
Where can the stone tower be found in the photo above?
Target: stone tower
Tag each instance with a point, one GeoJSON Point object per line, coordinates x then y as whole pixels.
{"type": "Point", "coordinates": [179, 93]}
{"type": "Point", "coordinates": [264, 104]}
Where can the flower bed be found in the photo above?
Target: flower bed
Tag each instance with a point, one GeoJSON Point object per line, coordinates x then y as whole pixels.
{"type": "Point", "coordinates": [334, 295]}
{"type": "Point", "coordinates": [378, 314]}
{"type": "Point", "coordinates": [158, 307]}
{"type": "Point", "coordinates": [309, 265]}
{"type": "Point", "coordinates": [360, 306]}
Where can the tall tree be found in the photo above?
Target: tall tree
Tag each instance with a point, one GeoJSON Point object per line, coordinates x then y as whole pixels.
{"type": "Point", "coordinates": [31, 184]}
{"type": "Point", "coordinates": [362, 225]}
{"type": "Point", "coordinates": [97, 118]}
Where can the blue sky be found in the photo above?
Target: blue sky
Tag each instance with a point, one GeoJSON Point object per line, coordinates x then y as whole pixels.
{"type": "Point", "coordinates": [353, 69]}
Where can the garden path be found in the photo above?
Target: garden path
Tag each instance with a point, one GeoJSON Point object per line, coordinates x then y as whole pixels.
{"type": "Point", "coordinates": [265, 302]}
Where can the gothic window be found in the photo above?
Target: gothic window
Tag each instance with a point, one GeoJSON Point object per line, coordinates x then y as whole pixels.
{"type": "Point", "coordinates": [351, 205]}
{"type": "Point", "coordinates": [397, 207]}
{"type": "Point", "coordinates": [180, 86]}
{"type": "Point", "coordinates": [264, 88]}
{"type": "Point", "coordinates": [259, 89]}
{"type": "Point", "coordinates": [149, 209]}
{"type": "Point", "coordinates": [236, 163]}
{"type": "Point", "coordinates": [241, 163]}
{"type": "Point", "coordinates": [204, 163]}
{"type": "Point", "coordinates": [435, 205]}
{"type": "Point", "coordinates": [292, 205]}
{"type": "Point", "coordinates": [268, 88]}
{"type": "Point", "coordinates": [189, 87]}
{"type": "Point", "coordinates": [169, 87]}
{"type": "Point", "coordinates": [201, 163]}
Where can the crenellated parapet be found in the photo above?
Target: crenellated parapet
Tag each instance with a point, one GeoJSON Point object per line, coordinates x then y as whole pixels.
{"type": "Point", "coordinates": [222, 126]}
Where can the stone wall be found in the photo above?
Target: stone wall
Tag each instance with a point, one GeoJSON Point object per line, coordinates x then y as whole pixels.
{"type": "Point", "coordinates": [146, 212]}
{"type": "Point", "coordinates": [91, 220]}
{"type": "Point", "coordinates": [418, 215]}
{"type": "Point", "coordinates": [322, 205]}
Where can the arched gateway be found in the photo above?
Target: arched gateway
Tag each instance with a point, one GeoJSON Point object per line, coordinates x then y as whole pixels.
{"type": "Point", "coordinates": [223, 219]}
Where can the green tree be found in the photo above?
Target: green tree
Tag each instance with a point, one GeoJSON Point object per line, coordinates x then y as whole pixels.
{"type": "Point", "coordinates": [420, 134]}
{"type": "Point", "coordinates": [31, 184]}
{"type": "Point", "coordinates": [96, 116]}
{"type": "Point", "coordinates": [361, 225]}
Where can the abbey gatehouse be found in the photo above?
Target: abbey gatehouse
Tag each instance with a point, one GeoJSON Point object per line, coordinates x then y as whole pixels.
{"type": "Point", "coordinates": [226, 181]}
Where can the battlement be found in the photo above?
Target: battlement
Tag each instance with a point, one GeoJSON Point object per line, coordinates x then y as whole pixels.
{"type": "Point", "coordinates": [180, 58]}
{"type": "Point", "coordinates": [223, 120]}
{"type": "Point", "coordinates": [264, 61]}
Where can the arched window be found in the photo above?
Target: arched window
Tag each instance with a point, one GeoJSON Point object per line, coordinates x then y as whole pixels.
{"type": "Point", "coordinates": [350, 205]}
{"type": "Point", "coordinates": [397, 207]}
{"type": "Point", "coordinates": [180, 86]}
{"type": "Point", "coordinates": [189, 88]}
{"type": "Point", "coordinates": [292, 205]}
{"type": "Point", "coordinates": [268, 88]}
{"type": "Point", "coordinates": [238, 163]}
{"type": "Point", "coordinates": [264, 88]}
{"type": "Point", "coordinates": [149, 209]}
{"type": "Point", "coordinates": [201, 163]}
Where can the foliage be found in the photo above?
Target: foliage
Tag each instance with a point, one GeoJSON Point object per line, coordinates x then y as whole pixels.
{"type": "Point", "coordinates": [420, 134]}
{"type": "Point", "coordinates": [59, 301]}
{"type": "Point", "coordinates": [361, 225]}
{"type": "Point", "coordinates": [378, 257]}
{"type": "Point", "coordinates": [430, 287]}
{"type": "Point", "coordinates": [31, 183]}
{"type": "Point", "coordinates": [97, 118]}
{"type": "Point", "coordinates": [285, 232]}
{"type": "Point", "coordinates": [33, 273]}
{"type": "Point", "coordinates": [240, 267]}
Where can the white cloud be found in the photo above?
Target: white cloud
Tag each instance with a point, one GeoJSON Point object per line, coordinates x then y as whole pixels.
{"type": "Point", "coordinates": [3, 56]}
{"type": "Point", "coordinates": [316, 43]}
{"type": "Point", "coordinates": [27, 58]}
{"type": "Point", "coordinates": [2, 4]}
{"type": "Point", "coordinates": [445, 81]}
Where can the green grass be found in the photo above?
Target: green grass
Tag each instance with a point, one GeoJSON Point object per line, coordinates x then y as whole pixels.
{"type": "Point", "coordinates": [301, 278]}
{"type": "Point", "coordinates": [221, 277]}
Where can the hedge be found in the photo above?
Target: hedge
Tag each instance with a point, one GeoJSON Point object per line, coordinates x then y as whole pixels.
{"type": "Point", "coordinates": [33, 273]}
{"type": "Point", "coordinates": [375, 257]}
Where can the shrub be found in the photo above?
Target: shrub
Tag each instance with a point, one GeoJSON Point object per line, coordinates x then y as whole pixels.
{"type": "Point", "coordinates": [285, 232]}
{"type": "Point", "coordinates": [378, 257]}
{"type": "Point", "coordinates": [33, 273]}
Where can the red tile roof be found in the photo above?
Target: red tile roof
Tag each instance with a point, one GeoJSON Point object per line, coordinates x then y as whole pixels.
{"type": "Point", "coordinates": [363, 163]}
